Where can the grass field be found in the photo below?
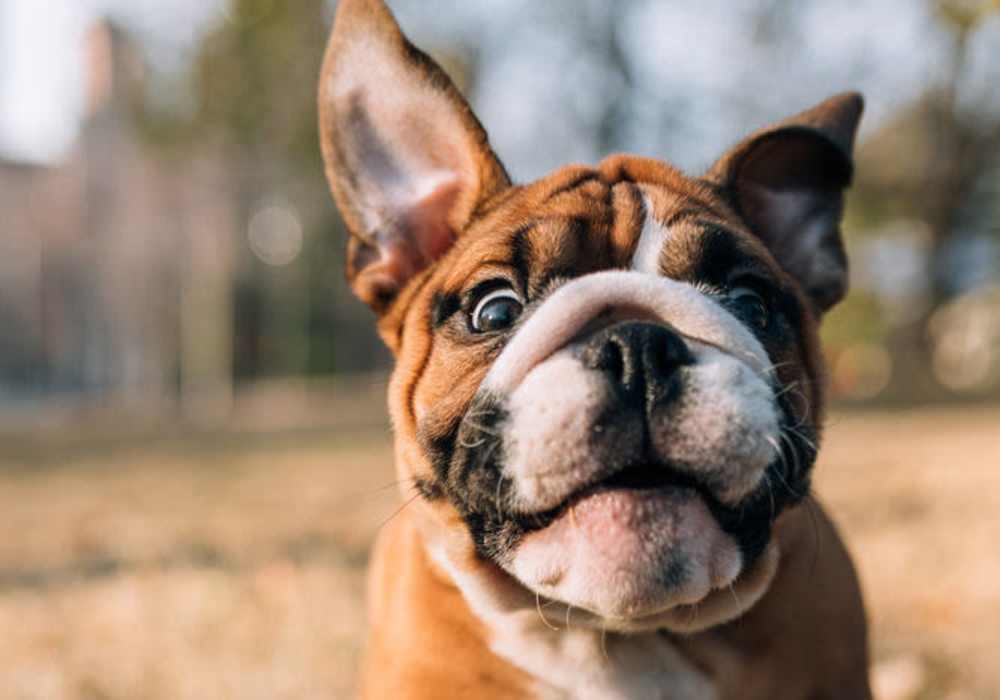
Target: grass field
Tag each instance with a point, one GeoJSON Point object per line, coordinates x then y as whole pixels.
{"type": "Point", "coordinates": [201, 567]}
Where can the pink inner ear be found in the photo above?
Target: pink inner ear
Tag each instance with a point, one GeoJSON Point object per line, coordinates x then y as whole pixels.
{"type": "Point", "coordinates": [422, 232]}
{"type": "Point", "coordinates": [427, 220]}
{"type": "Point", "coordinates": [418, 236]}
{"type": "Point", "coordinates": [405, 244]}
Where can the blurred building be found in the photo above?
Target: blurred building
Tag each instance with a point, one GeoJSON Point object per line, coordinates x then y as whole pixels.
{"type": "Point", "coordinates": [103, 256]}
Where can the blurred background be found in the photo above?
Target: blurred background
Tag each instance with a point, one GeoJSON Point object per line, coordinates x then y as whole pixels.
{"type": "Point", "coordinates": [194, 453]}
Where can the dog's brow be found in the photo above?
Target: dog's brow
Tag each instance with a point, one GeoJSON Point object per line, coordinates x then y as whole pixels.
{"type": "Point", "coordinates": [520, 250]}
{"type": "Point", "coordinates": [684, 214]}
{"type": "Point", "coordinates": [444, 306]}
{"type": "Point", "coordinates": [574, 183]}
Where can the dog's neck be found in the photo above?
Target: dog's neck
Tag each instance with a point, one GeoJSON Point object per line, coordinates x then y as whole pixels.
{"type": "Point", "coordinates": [435, 633]}
{"type": "Point", "coordinates": [566, 660]}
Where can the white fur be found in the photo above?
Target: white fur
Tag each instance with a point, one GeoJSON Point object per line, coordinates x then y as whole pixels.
{"type": "Point", "coordinates": [724, 427]}
{"type": "Point", "coordinates": [646, 257]}
{"type": "Point", "coordinates": [552, 414]}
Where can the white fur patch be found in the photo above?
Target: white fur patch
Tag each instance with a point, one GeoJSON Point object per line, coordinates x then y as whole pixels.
{"type": "Point", "coordinates": [552, 414]}
{"type": "Point", "coordinates": [653, 236]}
{"type": "Point", "coordinates": [724, 427]}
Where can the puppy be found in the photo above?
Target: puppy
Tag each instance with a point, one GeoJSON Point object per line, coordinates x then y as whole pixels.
{"type": "Point", "coordinates": [607, 398]}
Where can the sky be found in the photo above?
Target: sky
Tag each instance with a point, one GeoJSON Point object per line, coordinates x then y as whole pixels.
{"type": "Point", "coordinates": [41, 79]}
{"type": "Point", "coordinates": [37, 72]}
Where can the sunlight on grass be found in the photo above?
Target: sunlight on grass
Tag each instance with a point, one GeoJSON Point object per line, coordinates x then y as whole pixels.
{"type": "Point", "coordinates": [236, 568]}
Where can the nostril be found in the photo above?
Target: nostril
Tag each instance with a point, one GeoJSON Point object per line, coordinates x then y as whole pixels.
{"type": "Point", "coordinates": [664, 353]}
{"type": "Point", "coordinates": [606, 357]}
{"type": "Point", "coordinates": [657, 359]}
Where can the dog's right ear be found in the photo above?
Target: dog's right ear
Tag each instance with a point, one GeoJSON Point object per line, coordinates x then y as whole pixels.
{"type": "Point", "coordinates": [407, 160]}
{"type": "Point", "coordinates": [787, 182]}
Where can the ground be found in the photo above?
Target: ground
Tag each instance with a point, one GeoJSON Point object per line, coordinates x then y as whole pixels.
{"type": "Point", "coordinates": [201, 566]}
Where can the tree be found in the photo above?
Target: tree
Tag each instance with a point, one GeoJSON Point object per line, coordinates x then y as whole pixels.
{"type": "Point", "coordinates": [930, 164]}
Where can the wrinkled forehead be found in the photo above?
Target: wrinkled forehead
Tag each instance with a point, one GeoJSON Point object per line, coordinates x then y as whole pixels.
{"type": "Point", "coordinates": [628, 213]}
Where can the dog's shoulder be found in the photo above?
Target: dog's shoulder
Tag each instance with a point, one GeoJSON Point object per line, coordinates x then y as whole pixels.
{"type": "Point", "coordinates": [424, 641]}
{"type": "Point", "coordinates": [816, 650]}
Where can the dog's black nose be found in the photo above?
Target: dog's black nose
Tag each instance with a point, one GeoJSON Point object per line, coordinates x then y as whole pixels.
{"type": "Point", "coordinates": [641, 358]}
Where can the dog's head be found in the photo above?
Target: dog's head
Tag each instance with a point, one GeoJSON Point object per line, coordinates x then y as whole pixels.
{"type": "Point", "coordinates": [608, 383]}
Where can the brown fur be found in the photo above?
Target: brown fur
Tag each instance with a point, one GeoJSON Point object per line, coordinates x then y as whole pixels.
{"type": "Point", "coordinates": [773, 652]}
{"type": "Point", "coordinates": [808, 634]}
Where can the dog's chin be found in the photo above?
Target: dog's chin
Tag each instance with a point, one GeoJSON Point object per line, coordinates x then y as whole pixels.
{"type": "Point", "coordinates": [631, 559]}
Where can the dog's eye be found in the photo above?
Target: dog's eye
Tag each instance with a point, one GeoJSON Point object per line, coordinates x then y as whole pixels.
{"type": "Point", "coordinates": [496, 311]}
{"type": "Point", "coordinates": [750, 306]}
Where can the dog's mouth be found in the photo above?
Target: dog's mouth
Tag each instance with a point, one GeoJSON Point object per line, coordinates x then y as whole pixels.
{"type": "Point", "coordinates": [748, 522]}
{"type": "Point", "coordinates": [645, 476]}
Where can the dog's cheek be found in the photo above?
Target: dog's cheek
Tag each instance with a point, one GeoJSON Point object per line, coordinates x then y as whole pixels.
{"type": "Point", "coordinates": [725, 426]}
{"type": "Point", "coordinates": [553, 415]}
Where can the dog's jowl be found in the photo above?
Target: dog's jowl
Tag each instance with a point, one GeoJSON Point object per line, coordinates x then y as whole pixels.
{"type": "Point", "coordinates": [607, 399]}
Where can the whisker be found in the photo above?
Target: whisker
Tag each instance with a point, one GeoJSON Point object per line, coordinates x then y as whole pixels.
{"type": "Point", "coordinates": [479, 427]}
{"type": "Point", "coordinates": [788, 487]}
{"type": "Point", "coordinates": [397, 511]}
{"type": "Point", "coordinates": [736, 597]}
{"type": "Point", "coordinates": [498, 495]}
{"type": "Point", "coordinates": [770, 494]}
{"type": "Point", "coordinates": [769, 372]}
{"type": "Point", "coordinates": [788, 388]}
{"type": "Point", "coordinates": [694, 614]}
{"type": "Point", "coordinates": [795, 390]}
{"type": "Point", "coordinates": [798, 433]}
{"type": "Point", "coordinates": [795, 457]}
{"type": "Point", "coordinates": [392, 484]}
{"type": "Point", "coordinates": [541, 615]}
{"type": "Point", "coordinates": [777, 449]}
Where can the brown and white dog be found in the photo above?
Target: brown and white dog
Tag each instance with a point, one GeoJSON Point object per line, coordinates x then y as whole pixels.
{"type": "Point", "coordinates": [607, 398]}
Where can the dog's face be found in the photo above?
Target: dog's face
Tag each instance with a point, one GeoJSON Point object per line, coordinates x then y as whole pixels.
{"type": "Point", "coordinates": [608, 381]}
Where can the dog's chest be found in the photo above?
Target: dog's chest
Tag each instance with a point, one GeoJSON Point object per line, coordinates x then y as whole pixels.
{"type": "Point", "coordinates": [586, 664]}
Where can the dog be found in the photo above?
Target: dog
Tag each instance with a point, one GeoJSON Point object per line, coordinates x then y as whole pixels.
{"type": "Point", "coordinates": [607, 396]}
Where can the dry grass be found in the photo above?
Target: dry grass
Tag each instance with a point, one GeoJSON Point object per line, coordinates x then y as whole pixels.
{"type": "Point", "coordinates": [189, 569]}
{"type": "Point", "coordinates": [918, 497]}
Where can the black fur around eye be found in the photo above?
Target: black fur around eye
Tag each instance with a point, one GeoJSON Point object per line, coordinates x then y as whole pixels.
{"type": "Point", "coordinates": [750, 306]}
{"type": "Point", "coordinates": [496, 311]}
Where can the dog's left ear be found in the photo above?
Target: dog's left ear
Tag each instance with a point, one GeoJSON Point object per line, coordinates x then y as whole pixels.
{"type": "Point", "coordinates": [787, 182]}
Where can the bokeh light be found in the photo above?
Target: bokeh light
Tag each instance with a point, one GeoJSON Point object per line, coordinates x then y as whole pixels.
{"type": "Point", "coordinates": [275, 235]}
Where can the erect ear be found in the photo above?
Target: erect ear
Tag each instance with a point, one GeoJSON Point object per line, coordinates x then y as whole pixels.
{"type": "Point", "coordinates": [407, 160]}
{"type": "Point", "coordinates": [787, 182]}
